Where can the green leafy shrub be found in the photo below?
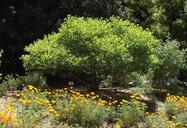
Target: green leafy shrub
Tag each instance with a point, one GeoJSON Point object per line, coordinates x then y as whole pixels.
{"type": "Point", "coordinates": [12, 83]}
{"type": "Point", "coordinates": [94, 48]}
{"type": "Point", "coordinates": [171, 61]}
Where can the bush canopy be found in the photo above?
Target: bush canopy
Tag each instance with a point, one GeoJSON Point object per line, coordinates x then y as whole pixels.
{"type": "Point", "coordinates": [96, 48]}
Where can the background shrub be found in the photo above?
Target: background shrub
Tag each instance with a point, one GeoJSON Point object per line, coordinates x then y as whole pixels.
{"type": "Point", "coordinates": [94, 48]}
{"type": "Point", "coordinates": [171, 61]}
{"type": "Point", "coordinates": [11, 82]}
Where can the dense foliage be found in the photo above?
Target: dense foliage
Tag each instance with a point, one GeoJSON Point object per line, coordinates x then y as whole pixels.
{"type": "Point", "coordinates": [11, 82]}
{"type": "Point", "coordinates": [25, 21]}
{"type": "Point", "coordinates": [171, 61]}
{"type": "Point", "coordinates": [94, 47]}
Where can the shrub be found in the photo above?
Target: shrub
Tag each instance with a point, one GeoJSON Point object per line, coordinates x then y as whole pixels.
{"type": "Point", "coordinates": [94, 48]}
{"type": "Point", "coordinates": [171, 61]}
{"type": "Point", "coordinates": [12, 83]}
